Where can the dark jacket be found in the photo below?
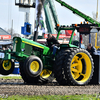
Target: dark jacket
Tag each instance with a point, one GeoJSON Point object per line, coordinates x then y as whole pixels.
{"type": "Point", "coordinates": [93, 50]}
{"type": "Point", "coordinates": [52, 41]}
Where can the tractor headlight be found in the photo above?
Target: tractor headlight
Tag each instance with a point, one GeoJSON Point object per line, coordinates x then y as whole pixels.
{"type": "Point", "coordinates": [16, 41]}
{"type": "Point", "coordinates": [23, 49]}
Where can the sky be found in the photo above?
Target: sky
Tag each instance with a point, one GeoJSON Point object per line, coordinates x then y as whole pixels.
{"type": "Point", "coordinates": [9, 12]}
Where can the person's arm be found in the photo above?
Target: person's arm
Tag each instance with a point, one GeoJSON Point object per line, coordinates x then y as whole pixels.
{"type": "Point", "coordinates": [49, 43]}
{"type": "Point", "coordinates": [93, 50]}
{"type": "Point", "coordinates": [55, 42]}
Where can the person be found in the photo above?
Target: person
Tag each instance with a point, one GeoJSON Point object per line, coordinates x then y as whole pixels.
{"type": "Point", "coordinates": [53, 44]}
{"type": "Point", "coordinates": [91, 49]}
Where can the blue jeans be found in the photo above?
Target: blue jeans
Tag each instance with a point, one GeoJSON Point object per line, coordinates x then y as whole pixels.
{"type": "Point", "coordinates": [54, 50]}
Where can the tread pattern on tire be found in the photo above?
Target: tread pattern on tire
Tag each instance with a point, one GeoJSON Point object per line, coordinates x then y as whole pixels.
{"type": "Point", "coordinates": [59, 68]}
{"type": "Point", "coordinates": [67, 62]}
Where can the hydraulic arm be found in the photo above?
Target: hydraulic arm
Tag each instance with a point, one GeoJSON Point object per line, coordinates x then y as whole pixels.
{"type": "Point", "coordinates": [50, 16]}
{"type": "Point", "coordinates": [75, 11]}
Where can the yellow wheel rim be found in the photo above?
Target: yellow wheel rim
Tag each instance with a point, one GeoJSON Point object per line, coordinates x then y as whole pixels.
{"type": "Point", "coordinates": [45, 73]}
{"type": "Point", "coordinates": [81, 67]}
{"type": "Point", "coordinates": [6, 65]}
{"type": "Point", "coordinates": [34, 66]}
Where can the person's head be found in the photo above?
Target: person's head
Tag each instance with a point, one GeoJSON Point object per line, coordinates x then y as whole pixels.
{"type": "Point", "coordinates": [49, 36]}
{"type": "Point", "coordinates": [89, 46]}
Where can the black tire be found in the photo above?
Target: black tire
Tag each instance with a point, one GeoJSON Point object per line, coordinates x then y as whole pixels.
{"type": "Point", "coordinates": [6, 69]}
{"type": "Point", "coordinates": [59, 68]}
{"type": "Point", "coordinates": [27, 79]}
{"type": "Point", "coordinates": [46, 76]}
{"type": "Point", "coordinates": [28, 66]}
{"type": "Point", "coordinates": [78, 67]}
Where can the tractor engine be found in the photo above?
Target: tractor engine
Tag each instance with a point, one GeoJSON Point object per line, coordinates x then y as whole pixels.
{"type": "Point", "coordinates": [23, 48]}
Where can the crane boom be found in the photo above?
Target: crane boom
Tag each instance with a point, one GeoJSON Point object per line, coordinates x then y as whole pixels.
{"type": "Point", "coordinates": [50, 16]}
{"type": "Point", "coordinates": [75, 11]}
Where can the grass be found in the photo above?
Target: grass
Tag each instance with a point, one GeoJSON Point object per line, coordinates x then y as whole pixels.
{"type": "Point", "coordinates": [53, 97]}
{"type": "Point", "coordinates": [10, 77]}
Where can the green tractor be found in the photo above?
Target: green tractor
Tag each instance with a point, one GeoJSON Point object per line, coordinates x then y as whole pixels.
{"type": "Point", "coordinates": [72, 65]}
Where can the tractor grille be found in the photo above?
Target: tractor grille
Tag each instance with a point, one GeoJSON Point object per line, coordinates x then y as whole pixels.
{"type": "Point", "coordinates": [28, 49]}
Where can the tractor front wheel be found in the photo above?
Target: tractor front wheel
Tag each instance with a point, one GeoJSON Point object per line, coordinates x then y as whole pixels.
{"type": "Point", "coordinates": [30, 69]}
{"type": "Point", "coordinates": [6, 67]}
{"type": "Point", "coordinates": [33, 66]}
{"type": "Point", "coordinates": [27, 79]}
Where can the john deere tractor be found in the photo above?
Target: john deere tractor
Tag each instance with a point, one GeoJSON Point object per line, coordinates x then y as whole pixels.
{"type": "Point", "coordinates": [71, 65]}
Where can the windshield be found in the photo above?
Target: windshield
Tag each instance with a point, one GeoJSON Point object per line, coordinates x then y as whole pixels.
{"type": "Point", "coordinates": [63, 37]}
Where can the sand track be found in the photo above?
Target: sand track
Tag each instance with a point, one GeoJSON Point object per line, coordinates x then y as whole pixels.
{"type": "Point", "coordinates": [17, 87]}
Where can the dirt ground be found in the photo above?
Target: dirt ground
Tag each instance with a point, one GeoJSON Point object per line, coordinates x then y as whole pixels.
{"type": "Point", "coordinates": [17, 87]}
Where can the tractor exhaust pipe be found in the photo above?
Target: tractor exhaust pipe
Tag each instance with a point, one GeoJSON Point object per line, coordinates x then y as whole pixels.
{"type": "Point", "coordinates": [35, 34]}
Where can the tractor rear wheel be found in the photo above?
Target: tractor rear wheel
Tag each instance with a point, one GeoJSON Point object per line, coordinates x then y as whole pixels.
{"type": "Point", "coordinates": [59, 68]}
{"type": "Point", "coordinates": [78, 67]}
{"type": "Point", "coordinates": [6, 67]}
